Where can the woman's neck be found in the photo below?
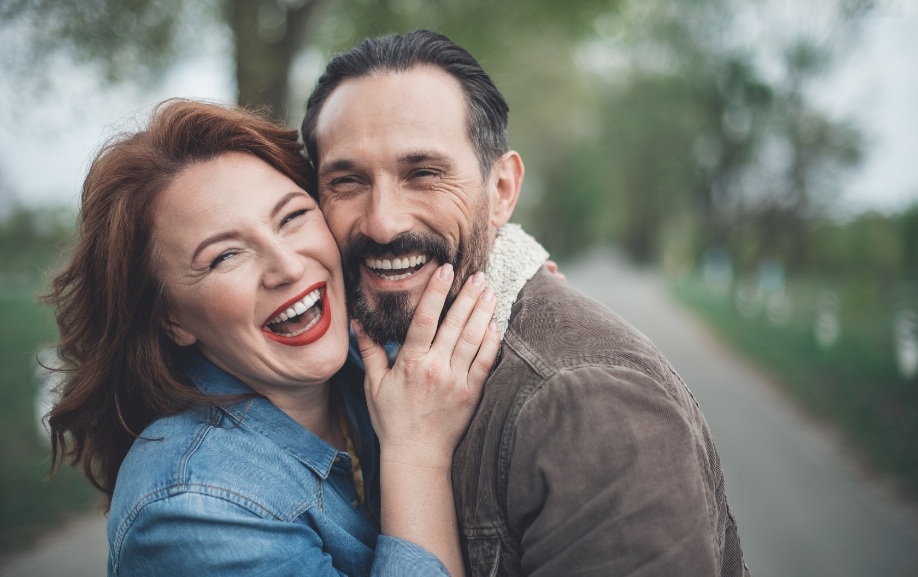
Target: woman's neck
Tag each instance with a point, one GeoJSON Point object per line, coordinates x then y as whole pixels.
{"type": "Point", "coordinates": [315, 409]}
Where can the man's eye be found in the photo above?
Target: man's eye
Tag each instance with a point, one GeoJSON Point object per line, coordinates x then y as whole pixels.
{"type": "Point", "coordinates": [343, 181]}
{"type": "Point", "coordinates": [425, 173]}
{"type": "Point", "coordinates": [223, 257]}
{"type": "Point", "coordinates": [342, 187]}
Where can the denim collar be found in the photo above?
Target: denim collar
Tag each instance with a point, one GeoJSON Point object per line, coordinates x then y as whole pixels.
{"type": "Point", "coordinates": [262, 416]}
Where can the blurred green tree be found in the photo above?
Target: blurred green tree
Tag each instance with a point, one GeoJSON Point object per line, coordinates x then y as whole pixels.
{"type": "Point", "coordinates": [699, 118]}
{"type": "Point", "coordinates": [137, 40]}
{"type": "Point", "coordinates": [31, 239]}
{"type": "Point", "coordinates": [634, 116]}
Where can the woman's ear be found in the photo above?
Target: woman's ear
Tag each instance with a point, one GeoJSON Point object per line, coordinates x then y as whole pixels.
{"type": "Point", "coordinates": [178, 333]}
{"type": "Point", "coordinates": [507, 178]}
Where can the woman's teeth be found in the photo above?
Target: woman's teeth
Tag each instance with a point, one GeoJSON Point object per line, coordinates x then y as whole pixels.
{"type": "Point", "coordinates": [297, 308]}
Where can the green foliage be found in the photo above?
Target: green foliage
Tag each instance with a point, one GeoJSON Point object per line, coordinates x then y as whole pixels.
{"type": "Point", "coordinates": [688, 124]}
{"type": "Point", "coordinates": [126, 39]}
{"type": "Point", "coordinates": [30, 242]}
{"type": "Point", "coordinates": [864, 270]}
{"type": "Point", "coordinates": [488, 29]}
{"type": "Point", "coordinates": [872, 245]}
{"type": "Point", "coordinates": [854, 384]}
{"type": "Point", "coordinates": [34, 501]}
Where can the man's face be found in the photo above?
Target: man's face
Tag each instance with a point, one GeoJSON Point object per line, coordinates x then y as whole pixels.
{"type": "Point", "coordinates": [401, 189]}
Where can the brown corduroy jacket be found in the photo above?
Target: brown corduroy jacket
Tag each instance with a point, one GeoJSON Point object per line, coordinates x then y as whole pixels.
{"type": "Point", "coordinates": [589, 455]}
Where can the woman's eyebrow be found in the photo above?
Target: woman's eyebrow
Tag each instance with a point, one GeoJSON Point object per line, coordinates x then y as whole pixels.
{"type": "Point", "coordinates": [225, 235]}
{"type": "Point", "coordinates": [284, 200]}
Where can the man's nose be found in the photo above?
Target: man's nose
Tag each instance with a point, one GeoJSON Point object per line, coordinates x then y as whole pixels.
{"type": "Point", "coordinates": [386, 213]}
{"type": "Point", "coordinates": [284, 265]}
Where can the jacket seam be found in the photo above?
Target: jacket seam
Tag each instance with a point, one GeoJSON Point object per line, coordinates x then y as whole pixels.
{"type": "Point", "coordinates": [177, 489]}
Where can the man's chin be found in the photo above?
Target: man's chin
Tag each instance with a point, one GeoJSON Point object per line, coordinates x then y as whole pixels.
{"type": "Point", "coordinates": [385, 317]}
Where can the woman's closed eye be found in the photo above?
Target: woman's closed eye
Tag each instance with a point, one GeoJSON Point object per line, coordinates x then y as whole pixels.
{"type": "Point", "coordinates": [294, 215]}
{"type": "Point", "coordinates": [222, 257]}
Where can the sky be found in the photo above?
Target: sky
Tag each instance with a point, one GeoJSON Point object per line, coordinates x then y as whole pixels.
{"type": "Point", "coordinates": [878, 87]}
{"type": "Point", "coordinates": [45, 149]}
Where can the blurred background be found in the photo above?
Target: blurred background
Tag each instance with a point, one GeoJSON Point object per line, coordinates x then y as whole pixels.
{"type": "Point", "coordinates": [759, 156]}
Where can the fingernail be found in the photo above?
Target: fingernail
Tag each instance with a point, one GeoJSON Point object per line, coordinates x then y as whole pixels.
{"type": "Point", "coordinates": [492, 327]}
{"type": "Point", "coordinates": [446, 271]}
{"type": "Point", "coordinates": [488, 295]}
{"type": "Point", "coordinates": [357, 328]}
{"type": "Point", "coordinates": [478, 278]}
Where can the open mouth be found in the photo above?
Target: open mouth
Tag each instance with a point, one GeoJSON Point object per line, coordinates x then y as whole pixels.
{"type": "Point", "coordinates": [397, 268]}
{"type": "Point", "coordinates": [302, 320]}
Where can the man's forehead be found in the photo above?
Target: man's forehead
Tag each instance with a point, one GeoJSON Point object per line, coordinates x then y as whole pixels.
{"type": "Point", "coordinates": [390, 98]}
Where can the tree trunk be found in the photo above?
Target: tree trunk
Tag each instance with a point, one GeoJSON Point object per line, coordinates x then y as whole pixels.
{"type": "Point", "coordinates": [267, 36]}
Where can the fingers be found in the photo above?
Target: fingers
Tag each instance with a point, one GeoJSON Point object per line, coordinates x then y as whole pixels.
{"type": "Point", "coordinates": [484, 360]}
{"type": "Point", "coordinates": [552, 267]}
{"type": "Point", "coordinates": [375, 361]}
{"type": "Point", "coordinates": [472, 330]}
{"type": "Point", "coordinates": [455, 323]}
{"type": "Point", "coordinates": [424, 324]}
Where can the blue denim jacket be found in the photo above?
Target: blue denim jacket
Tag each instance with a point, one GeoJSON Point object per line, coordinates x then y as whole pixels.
{"type": "Point", "coordinates": [248, 491]}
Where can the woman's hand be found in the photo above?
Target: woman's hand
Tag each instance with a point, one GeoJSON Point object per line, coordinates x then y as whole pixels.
{"type": "Point", "coordinates": [552, 267]}
{"type": "Point", "coordinates": [422, 406]}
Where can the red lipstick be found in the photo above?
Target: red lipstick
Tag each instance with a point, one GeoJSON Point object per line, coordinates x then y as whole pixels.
{"type": "Point", "coordinates": [313, 334]}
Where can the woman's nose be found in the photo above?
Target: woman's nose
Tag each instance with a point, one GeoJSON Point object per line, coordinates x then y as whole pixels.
{"type": "Point", "coordinates": [284, 264]}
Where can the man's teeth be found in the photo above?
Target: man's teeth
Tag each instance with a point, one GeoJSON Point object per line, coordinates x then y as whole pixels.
{"type": "Point", "coordinates": [396, 263]}
{"type": "Point", "coordinates": [297, 308]}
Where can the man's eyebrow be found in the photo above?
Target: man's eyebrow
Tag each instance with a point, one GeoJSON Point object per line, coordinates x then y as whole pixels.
{"type": "Point", "coordinates": [410, 158]}
{"type": "Point", "coordinates": [340, 165]}
{"type": "Point", "coordinates": [421, 156]}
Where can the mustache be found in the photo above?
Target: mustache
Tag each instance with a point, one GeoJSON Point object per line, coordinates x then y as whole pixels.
{"type": "Point", "coordinates": [360, 247]}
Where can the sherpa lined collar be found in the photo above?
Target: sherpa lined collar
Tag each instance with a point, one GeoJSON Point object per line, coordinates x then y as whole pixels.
{"type": "Point", "coordinates": [515, 258]}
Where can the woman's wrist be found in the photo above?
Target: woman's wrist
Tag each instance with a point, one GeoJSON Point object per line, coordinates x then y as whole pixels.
{"type": "Point", "coordinates": [416, 458]}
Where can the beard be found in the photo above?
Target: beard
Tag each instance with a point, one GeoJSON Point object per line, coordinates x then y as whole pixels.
{"type": "Point", "coordinates": [387, 319]}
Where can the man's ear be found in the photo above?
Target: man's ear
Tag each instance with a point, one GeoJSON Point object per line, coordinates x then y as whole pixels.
{"type": "Point", "coordinates": [507, 177]}
{"type": "Point", "coordinates": [178, 333]}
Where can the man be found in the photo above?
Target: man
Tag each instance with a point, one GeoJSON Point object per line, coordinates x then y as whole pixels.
{"type": "Point", "coordinates": [588, 455]}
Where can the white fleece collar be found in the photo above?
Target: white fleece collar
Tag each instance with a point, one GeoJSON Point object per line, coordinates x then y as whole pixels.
{"type": "Point", "coordinates": [515, 257]}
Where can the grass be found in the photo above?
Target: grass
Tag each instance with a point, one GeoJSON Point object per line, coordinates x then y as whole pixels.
{"type": "Point", "coordinates": [33, 501]}
{"type": "Point", "coordinates": [854, 383]}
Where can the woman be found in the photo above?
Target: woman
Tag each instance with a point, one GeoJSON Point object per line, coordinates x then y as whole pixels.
{"type": "Point", "coordinates": [207, 392]}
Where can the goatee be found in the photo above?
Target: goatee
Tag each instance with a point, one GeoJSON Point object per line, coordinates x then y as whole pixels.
{"type": "Point", "coordinates": [388, 318]}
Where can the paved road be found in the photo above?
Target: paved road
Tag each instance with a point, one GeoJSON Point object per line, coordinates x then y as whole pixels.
{"type": "Point", "coordinates": [803, 506]}
{"type": "Point", "coordinates": [77, 549]}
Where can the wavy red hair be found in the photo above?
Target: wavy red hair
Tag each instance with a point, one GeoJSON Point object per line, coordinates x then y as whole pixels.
{"type": "Point", "coordinates": [121, 370]}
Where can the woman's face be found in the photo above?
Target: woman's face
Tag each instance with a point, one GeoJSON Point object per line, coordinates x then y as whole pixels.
{"type": "Point", "coordinates": [252, 275]}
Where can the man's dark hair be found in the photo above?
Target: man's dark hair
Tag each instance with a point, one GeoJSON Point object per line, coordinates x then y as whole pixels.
{"type": "Point", "coordinates": [486, 108]}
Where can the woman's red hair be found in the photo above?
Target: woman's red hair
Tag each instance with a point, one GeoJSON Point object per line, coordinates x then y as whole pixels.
{"type": "Point", "coordinates": [121, 370]}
